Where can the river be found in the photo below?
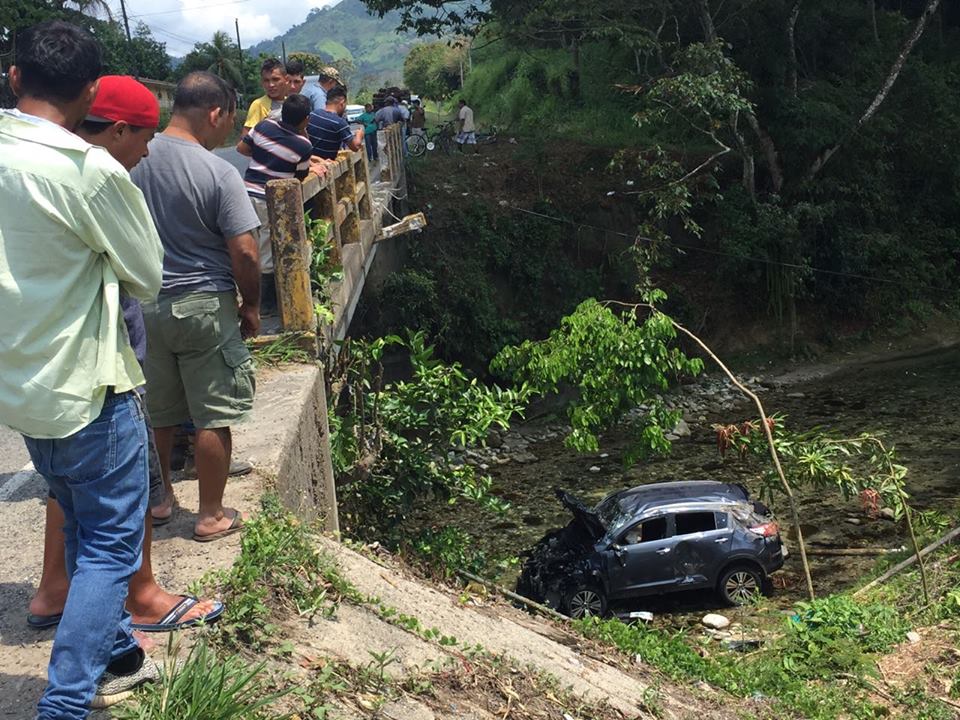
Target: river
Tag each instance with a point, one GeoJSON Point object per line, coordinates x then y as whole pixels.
{"type": "Point", "coordinates": [912, 400]}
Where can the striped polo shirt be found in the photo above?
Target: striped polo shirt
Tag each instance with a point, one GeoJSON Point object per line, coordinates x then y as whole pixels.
{"type": "Point", "coordinates": [278, 151]}
{"type": "Point", "coordinates": [328, 132]}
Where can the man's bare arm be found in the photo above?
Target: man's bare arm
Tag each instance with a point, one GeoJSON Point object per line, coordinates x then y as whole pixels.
{"type": "Point", "coordinates": [245, 258]}
{"type": "Point", "coordinates": [244, 148]}
{"type": "Point", "coordinates": [356, 142]}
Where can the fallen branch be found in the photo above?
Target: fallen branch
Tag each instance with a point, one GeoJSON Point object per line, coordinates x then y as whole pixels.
{"type": "Point", "coordinates": [900, 567]}
{"type": "Point", "coordinates": [831, 552]}
{"type": "Point", "coordinates": [549, 612]}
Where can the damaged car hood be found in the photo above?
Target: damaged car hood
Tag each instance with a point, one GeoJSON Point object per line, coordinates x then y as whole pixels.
{"type": "Point", "coordinates": [586, 517]}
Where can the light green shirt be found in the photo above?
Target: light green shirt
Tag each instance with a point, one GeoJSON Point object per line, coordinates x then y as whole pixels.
{"type": "Point", "coordinates": [74, 230]}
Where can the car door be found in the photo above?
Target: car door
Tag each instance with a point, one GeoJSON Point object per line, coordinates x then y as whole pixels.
{"type": "Point", "coordinates": [644, 566]}
{"type": "Point", "coordinates": [703, 539]}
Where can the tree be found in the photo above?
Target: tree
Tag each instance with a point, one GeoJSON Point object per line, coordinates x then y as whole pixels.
{"type": "Point", "coordinates": [218, 56]}
{"type": "Point", "coordinates": [311, 63]}
{"type": "Point", "coordinates": [432, 70]}
{"type": "Point", "coordinates": [347, 69]}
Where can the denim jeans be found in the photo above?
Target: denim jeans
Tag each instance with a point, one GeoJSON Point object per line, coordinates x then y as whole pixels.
{"type": "Point", "coordinates": [99, 477]}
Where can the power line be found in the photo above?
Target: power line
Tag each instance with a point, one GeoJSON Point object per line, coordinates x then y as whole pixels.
{"type": "Point", "coordinates": [736, 256]}
{"type": "Point", "coordinates": [173, 12]}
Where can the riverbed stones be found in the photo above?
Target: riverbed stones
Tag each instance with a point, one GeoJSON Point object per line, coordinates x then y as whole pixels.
{"type": "Point", "coordinates": [888, 513]}
{"type": "Point", "coordinates": [715, 621]}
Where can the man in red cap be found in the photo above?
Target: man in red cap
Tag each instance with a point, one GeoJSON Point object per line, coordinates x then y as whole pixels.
{"type": "Point", "coordinates": [123, 119]}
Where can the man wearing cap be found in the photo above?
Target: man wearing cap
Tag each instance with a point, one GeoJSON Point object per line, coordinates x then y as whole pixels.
{"type": "Point", "coordinates": [198, 366]}
{"type": "Point", "coordinates": [122, 120]}
{"type": "Point", "coordinates": [388, 114]}
{"type": "Point", "coordinates": [74, 233]}
{"type": "Point", "coordinates": [328, 79]}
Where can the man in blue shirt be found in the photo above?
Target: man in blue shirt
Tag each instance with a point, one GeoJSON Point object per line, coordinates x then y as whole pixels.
{"type": "Point", "coordinates": [329, 131]}
{"type": "Point", "coordinates": [328, 79]}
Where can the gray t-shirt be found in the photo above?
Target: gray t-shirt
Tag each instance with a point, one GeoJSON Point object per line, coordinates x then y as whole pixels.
{"type": "Point", "coordinates": [197, 201]}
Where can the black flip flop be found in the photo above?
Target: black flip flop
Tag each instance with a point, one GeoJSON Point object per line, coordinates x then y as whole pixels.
{"type": "Point", "coordinates": [42, 622]}
{"type": "Point", "coordinates": [236, 525]}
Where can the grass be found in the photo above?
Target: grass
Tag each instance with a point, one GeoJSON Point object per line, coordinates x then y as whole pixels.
{"type": "Point", "coordinates": [204, 686]}
{"type": "Point", "coordinates": [288, 348]}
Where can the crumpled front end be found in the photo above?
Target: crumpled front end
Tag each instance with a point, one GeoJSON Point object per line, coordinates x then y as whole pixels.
{"type": "Point", "coordinates": [561, 561]}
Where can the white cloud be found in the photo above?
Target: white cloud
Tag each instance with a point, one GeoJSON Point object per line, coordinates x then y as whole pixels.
{"type": "Point", "coordinates": [181, 23]}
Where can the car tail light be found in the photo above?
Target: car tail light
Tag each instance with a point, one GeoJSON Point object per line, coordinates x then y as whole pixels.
{"type": "Point", "coordinates": [770, 529]}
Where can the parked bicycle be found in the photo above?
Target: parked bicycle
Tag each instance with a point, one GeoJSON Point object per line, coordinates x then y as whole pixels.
{"type": "Point", "coordinates": [441, 137]}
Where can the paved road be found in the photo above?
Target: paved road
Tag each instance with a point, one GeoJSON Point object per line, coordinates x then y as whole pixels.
{"type": "Point", "coordinates": [233, 157]}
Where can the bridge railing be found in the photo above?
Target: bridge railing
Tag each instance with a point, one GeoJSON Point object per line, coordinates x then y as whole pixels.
{"type": "Point", "coordinates": [344, 199]}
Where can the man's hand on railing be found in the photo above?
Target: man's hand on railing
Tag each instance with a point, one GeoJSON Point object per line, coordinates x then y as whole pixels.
{"type": "Point", "coordinates": [318, 166]}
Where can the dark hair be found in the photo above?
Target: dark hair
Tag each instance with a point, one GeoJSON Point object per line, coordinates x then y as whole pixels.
{"type": "Point", "coordinates": [335, 93]}
{"type": "Point", "coordinates": [462, 101]}
{"type": "Point", "coordinates": [295, 67]}
{"type": "Point", "coordinates": [296, 108]}
{"type": "Point", "coordinates": [202, 90]}
{"type": "Point", "coordinates": [57, 60]}
{"type": "Point", "coordinates": [271, 64]}
{"type": "Point", "coordinates": [95, 127]}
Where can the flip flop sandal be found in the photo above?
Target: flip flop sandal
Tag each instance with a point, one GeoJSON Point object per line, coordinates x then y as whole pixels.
{"type": "Point", "coordinates": [171, 621]}
{"type": "Point", "coordinates": [161, 521]}
{"type": "Point", "coordinates": [236, 525]}
{"type": "Point", "coordinates": [42, 622]}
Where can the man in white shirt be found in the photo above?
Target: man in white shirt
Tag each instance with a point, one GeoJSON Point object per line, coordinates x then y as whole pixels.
{"type": "Point", "coordinates": [466, 129]}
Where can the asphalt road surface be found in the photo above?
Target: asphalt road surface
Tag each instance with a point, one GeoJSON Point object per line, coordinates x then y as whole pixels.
{"type": "Point", "coordinates": [233, 157]}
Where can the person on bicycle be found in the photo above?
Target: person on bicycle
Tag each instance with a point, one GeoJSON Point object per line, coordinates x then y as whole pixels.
{"type": "Point", "coordinates": [466, 128]}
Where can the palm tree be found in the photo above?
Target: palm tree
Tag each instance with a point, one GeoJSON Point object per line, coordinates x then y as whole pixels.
{"type": "Point", "coordinates": [93, 8]}
{"type": "Point", "coordinates": [223, 59]}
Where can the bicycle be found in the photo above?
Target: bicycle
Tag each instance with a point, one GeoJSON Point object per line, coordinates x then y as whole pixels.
{"type": "Point", "coordinates": [416, 144]}
{"type": "Point", "coordinates": [489, 137]}
{"type": "Point", "coordinates": [441, 137]}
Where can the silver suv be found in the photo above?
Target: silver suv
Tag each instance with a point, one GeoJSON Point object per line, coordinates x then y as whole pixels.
{"type": "Point", "coordinates": [654, 539]}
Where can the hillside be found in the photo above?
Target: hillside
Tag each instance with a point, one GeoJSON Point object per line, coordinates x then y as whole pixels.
{"type": "Point", "coordinates": [346, 30]}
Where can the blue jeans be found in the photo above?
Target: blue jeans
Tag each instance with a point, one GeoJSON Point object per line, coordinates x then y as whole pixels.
{"type": "Point", "coordinates": [99, 476]}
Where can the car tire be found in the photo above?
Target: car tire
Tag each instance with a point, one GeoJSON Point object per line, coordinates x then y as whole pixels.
{"type": "Point", "coordinates": [586, 601]}
{"type": "Point", "coordinates": [739, 584]}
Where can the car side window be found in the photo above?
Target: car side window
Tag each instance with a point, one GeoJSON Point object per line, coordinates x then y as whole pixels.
{"type": "Point", "coordinates": [723, 520]}
{"type": "Point", "coordinates": [690, 523]}
{"type": "Point", "coordinates": [647, 531]}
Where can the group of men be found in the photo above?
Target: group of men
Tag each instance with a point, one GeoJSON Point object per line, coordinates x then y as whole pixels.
{"type": "Point", "coordinates": [129, 280]}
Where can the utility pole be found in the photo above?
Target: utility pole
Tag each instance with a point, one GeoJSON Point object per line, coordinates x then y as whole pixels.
{"type": "Point", "coordinates": [126, 25]}
{"type": "Point", "coordinates": [283, 51]}
{"type": "Point", "coordinates": [243, 77]}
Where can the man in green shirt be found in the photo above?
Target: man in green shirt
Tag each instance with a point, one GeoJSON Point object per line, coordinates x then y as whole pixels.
{"type": "Point", "coordinates": [74, 231]}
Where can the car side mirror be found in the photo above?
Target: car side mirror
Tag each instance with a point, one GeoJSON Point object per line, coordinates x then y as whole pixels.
{"type": "Point", "coordinates": [619, 553]}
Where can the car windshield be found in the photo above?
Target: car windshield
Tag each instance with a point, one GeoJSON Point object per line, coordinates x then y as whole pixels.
{"type": "Point", "coordinates": [612, 514]}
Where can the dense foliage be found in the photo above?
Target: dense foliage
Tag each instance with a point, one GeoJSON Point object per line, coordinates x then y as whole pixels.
{"type": "Point", "coordinates": [143, 56]}
{"type": "Point", "coordinates": [819, 131]}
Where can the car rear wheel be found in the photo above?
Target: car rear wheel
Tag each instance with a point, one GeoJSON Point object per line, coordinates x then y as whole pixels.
{"type": "Point", "coordinates": [586, 601]}
{"type": "Point", "coordinates": [740, 584]}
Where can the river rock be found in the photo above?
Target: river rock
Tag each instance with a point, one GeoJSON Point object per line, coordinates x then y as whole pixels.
{"type": "Point", "coordinates": [852, 521]}
{"type": "Point", "coordinates": [493, 439]}
{"type": "Point", "coordinates": [594, 468]}
{"type": "Point", "coordinates": [888, 514]}
{"type": "Point", "coordinates": [913, 637]}
{"type": "Point", "coordinates": [525, 457]}
{"type": "Point", "coordinates": [682, 429]}
{"type": "Point", "coordinates": [796, 395]}
{"type": "Point", "coordinates": [715, 621]}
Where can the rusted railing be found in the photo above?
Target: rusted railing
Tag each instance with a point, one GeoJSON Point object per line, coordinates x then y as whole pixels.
{"type": "Point", "coordinates": [343, 197]}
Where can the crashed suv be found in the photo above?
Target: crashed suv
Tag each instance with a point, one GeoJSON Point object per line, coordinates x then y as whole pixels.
{"type": "Point", "coordinates": [653, 539]}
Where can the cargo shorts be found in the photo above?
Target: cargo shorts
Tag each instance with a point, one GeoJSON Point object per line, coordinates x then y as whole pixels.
{"type": "Point", "coordinates": [197, 365]}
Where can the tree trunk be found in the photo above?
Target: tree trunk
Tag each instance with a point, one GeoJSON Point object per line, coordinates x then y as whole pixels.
{"type": "Point", "coordinates": [792, 48]}
{"type": "Point", "coordinates": [769, 152]}
{"type": "Point", "coordinates": [872, 12]}
{"type": "Point", "coordinates": [749, 177]}
{"type": "Point", "coordinates": [706, 21]}
{"type": "Point", "coordinates": [881, 95]}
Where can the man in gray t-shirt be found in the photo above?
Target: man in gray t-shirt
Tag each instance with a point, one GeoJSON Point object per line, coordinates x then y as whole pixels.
{"type": "Point", "coordinates": [198, 367]}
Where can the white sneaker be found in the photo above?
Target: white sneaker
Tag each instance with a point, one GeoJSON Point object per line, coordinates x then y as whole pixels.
{"type": "Point", "coordinates": [113, 689]}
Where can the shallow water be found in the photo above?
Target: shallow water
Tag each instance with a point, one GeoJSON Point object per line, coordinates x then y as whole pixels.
{"type": "Point", "coordinates": [913, 401]}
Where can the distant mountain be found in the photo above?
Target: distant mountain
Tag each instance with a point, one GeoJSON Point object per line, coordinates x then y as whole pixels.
{"type": "Point", "coordinates": [347, 30]}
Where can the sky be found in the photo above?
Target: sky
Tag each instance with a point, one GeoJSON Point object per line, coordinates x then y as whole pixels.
{"type": "Point", "coordinates": [181, 23]}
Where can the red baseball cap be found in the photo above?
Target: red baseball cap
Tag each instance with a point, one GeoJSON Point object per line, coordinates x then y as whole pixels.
{"type": "Point", "coordinates": [121, 97]}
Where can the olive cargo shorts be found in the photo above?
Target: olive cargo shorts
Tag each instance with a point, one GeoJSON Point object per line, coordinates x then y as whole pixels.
{"type": "Point", "coordinates": [197, 365]}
